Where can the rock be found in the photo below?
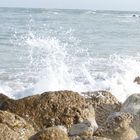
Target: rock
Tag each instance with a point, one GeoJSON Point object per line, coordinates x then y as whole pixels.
{"type": "Point", "coordinates": [86, 128]}
{"type": "Point", "coordinates": [137, 80]}
{"type": "Point", "coordinates": [117, 127]}
{"type": "Point", "coordinates": [98, 138]}
{"type": "Point", "coordinates": [51, 109]}
{"type": "Point", "coordinates": [13, 127]}
{"type": "Point", "coordinates": [88, 138]}
{"type": "Point", "coordinates": [52, 133]}
{"type": "Point", "coordinates": [63, 128]}
{"type": "Point", "coordinates": [132, 105]}
{"type": "Point", "coordinates": [137, 138]}
{"type": "Point", "coordinates": [3, 98]}
{"type": "Point", "coordinates": [75, 138]}
{"type": "Point", "coordinates": [104, 104]}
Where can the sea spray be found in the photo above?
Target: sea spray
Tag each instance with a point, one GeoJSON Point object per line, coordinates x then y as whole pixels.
{"type": "Point", "coordinates": [80, 50]}
{"type": "Point", "coordinates": [53, 65]}
{"type": "Point", "coordinates": [58, 66]}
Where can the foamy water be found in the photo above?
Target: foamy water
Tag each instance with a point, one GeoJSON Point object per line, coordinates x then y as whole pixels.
{"type": "Point", "coordinates": [79, 50]}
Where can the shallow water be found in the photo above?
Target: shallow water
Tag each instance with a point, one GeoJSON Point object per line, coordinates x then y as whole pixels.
{"type": "Point", "coordinates": [80, 50]}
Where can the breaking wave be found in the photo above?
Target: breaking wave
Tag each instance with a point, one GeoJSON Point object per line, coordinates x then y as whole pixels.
{"type": "Point", "coordinates": [51, 64]}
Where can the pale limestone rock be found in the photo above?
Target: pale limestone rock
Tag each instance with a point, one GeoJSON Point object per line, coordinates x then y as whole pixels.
{"type": "Point", "coordinates": [88, 138]}
{"type": "Point", "coordinates": [13, 127]}
{"type": "Point", "coordinates": [86, 128]}
{"type": "Point", "coordinates": [132, 105]}
{"type": "Point", "coordinates": [104, 104]}
{"type": "Point", "coordinates": [51, 133]}
{"type": "Point", "coordinates": [117, 127]}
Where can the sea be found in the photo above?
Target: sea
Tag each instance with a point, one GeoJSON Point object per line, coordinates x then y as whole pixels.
{"type": "Point", "coordinates": [79, 50]}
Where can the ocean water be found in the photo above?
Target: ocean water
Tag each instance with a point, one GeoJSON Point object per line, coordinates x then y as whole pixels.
{"type": "Point", "coordinates": [80, 50]}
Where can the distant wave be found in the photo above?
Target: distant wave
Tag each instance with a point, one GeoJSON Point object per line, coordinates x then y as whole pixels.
{"type": "Point", "coordinates": [90, 12]}
{"type": "Point", "coordinates": [128, 16]}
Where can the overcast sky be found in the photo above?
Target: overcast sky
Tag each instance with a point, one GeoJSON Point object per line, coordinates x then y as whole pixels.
{"type": "Point", "coordinates": [75, 4]}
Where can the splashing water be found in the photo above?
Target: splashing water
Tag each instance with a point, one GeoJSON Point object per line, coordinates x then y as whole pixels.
{"type": "Point", "coordinates": [53, 65]}
{"type": "Point", "coordinates": [60, 68]}
{"type": "Point", "coordinates": [48, 56]}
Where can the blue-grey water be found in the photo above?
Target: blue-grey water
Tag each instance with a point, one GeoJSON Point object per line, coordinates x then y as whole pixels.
{"type": "Point", "coordinates": [80, 50]}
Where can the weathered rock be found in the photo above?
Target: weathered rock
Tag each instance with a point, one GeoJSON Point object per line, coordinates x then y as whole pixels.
{"type": "Point", "coordinates": [132, 105]}
{"type": "Point", "coordinates": [75, 138]}
{"type": "Point", "coordinates": [117, 127]}
{"type": "Point", "coordinates": [137, 138]}
{"type": "Point", "coordinates": [63, 128]}
{"type": "Point", "coordinates": [51, 108]}
{"type": "Point", "coordinates": [52, 133]}
{"type": "Point", "coordinates": [137, 80]}
{"type": "Point", "coordinates": [104, 104]}
{"type": "Point", "coordinates": [13, 127]}
{"type": "Point", "coordinates": [86, 128]}
{"type": "Point", "coordinates": [88, 138]}
{"type": "Point", "coordinates": [3, 98]}
{"type": "Point", "coordinates": [98, 138]}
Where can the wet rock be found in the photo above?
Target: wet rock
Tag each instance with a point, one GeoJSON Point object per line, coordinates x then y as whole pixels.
{"type": "Point", "coordinates": [52, 133]}
{"type": "Point", "coordinates": [137, 80]}
{"type": "Point", "coordinates": [51, 109]}
{"type": "Point", "coordinates": [117, 127]}
{"type": "Point", "coordinates": [3, 98]}
{"type": "Point", "coordinates": [132, 105]}
{"type": "Point", "coordinates": [13, 127]}
{"type": "Point", "coordinates": [86, 128]}
{"type": "Point", "coordinates": [104, 104]}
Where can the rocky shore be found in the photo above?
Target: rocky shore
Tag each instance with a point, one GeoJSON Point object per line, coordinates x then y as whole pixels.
{"type": "Point", "coordinates": [68, 115]}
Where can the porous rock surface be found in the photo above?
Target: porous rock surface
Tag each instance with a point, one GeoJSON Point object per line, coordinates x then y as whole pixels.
{"type": "Point", "coordinates": [117, 127]}
{"type": "Point", "coordinates": [52, 133]}
{"type": "Point", "coordinates": [50, 109]}
{"type": "Point", "coordinates": [132, 105]}
{"type": "Point", "coordinates": [13, 127]}
{"type": "Point", "coordinates": [104, 104]}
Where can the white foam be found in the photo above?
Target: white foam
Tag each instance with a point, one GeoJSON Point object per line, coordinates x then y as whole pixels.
{"type": "Point", "coordinates": [90, 12]}
{"type": "Point", "coordinates": [65, 71]}
{"type": "Point", "coordinates": [54, 65]}
{"type": "Point", "coordinates": [124, 71]}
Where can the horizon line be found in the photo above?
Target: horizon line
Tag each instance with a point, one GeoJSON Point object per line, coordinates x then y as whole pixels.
{"type": "Point", "coordinates": [70, 9]}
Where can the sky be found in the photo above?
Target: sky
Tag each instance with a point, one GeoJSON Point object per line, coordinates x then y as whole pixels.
{"type": "Point", "coordinates": [127, 5]}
